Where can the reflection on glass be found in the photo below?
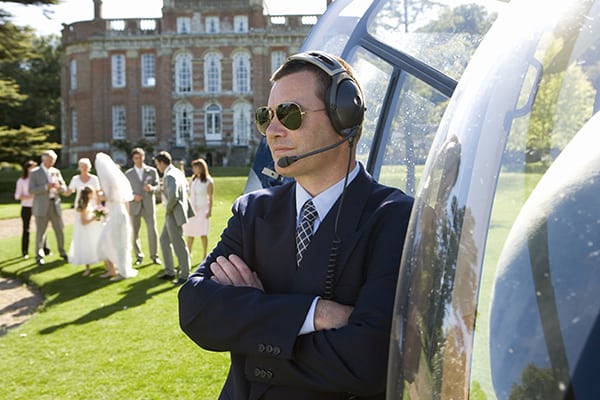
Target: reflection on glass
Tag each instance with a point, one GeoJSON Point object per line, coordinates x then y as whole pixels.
{"type": "Point", "coordinates": [565, 90]}
{"type": "Point", "coordinates": [416, 118]}
{"type": "Point", "coordinates": [548, 277]}
{"type": "Point", "coordinates": [374, 76]}
{"type": "Point", "coordinates": [442, 35]}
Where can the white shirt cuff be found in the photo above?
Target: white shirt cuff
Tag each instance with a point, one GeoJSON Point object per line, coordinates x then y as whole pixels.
{"type": "Point", "coordinates": [309, 321]}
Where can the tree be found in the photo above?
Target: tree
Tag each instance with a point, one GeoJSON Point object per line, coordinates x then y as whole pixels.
{"type": "Point", "coordinates": [29, 83]}
{"type": "Point", "coordinates": [20, 145]}
{"type": "Point", "coordinates": [38, 79]}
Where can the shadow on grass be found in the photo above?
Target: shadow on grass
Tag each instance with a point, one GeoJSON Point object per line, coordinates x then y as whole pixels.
{"type": "Point", "coordinates": [10, 261]}
{"type": "Point", "coordinates": [135, 294]}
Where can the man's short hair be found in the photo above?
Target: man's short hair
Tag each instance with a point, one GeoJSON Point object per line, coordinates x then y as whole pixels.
{"type": "Point", "coordinates": [50, 153]}
{"type": "Point", "coordinates": [164, 157]}
{"type": "Point", "coordinates": [137, 150]}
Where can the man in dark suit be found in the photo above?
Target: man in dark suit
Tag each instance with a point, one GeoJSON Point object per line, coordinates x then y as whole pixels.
{"type": "Point", "coordinates": [302, 294]}
{"type": "Point", "coordinates": [46, 184]}
{"type": "Point", "coordinates": [177, 212]}
{"type": "Point", "coordinates": [144, 183]}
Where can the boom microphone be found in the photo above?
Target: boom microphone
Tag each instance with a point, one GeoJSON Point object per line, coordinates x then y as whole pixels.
{"type": "Point", "coordinates": [286, 161]}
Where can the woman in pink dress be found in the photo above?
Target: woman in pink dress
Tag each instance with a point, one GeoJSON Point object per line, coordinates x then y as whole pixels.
{"type": "Point", "coordinates": [201, 198]}
{"type": "Point", "coordinates": [26, 199]}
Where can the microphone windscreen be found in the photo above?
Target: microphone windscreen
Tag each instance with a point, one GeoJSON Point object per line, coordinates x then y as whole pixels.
{"type": "Point", "coordinates": [285, 161]}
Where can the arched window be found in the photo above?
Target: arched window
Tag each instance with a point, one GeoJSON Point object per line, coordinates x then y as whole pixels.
{"type": "Point", "coordinates": [212, 73]}
{"type": "Point", "coordinates": [184, 123]}
{"type": "Point", "coordinates": [241, 73]}
{"type": "Point", "coordinates": [183, 73]}
{"type": "Point", "coordinates": [242, 124]}
{"type": "Point", "coordinates": [213, 122]}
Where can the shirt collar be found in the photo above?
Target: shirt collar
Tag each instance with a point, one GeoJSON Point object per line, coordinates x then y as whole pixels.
{"type": "Point", "coordinates": [324, 200]}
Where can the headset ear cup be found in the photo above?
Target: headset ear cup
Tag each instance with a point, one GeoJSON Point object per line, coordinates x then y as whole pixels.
{"type": "Point", "coordinates": [346, 105]}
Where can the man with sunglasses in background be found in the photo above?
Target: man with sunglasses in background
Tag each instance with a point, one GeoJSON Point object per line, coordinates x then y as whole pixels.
{"type": "Point", "coordinates": [300, 288]}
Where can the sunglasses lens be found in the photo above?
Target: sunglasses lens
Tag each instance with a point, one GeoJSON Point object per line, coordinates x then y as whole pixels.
{"type": "Point", "coordinates": [263, 119]}
{"type": "Point", "coordinates": [289, 115]}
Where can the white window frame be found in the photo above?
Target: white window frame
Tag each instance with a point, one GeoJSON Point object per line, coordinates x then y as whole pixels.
{"type": "Point", "coordinates": [183, 73]}
{"type": "Point", "coordinates": [242, 124]}
{"type": "Point", "coordinates": [74, 131]}
{"type": "Point", "coordinates": [117, 63]}
{"type": "Point", "coordinates": [240, 24]}
{"type": "Point", "coordinates": [148, 121]}
{"type": "Point", "coordinates": [184, 123]}
{"type": "Point", "coordinates": [184, 25]}
{"type": "Point", "coordinates": [73, 74]}
{"type": "Point", "coordinates": [211, 24]}
{"type": "Point", "coordinates": [148, 61]}
{"type": "Point", "coordinates": [213, 122]}
{"type": "Point", "coordinates": [212, 73]}
{"type": "Point", "coordinates": [241, 72]}
{"type": "Point", "coordinates": [277, 59]}
{"type": "Point", "coordinates": [119, 124]}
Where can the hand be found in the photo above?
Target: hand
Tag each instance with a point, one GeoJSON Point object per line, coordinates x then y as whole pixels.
{"type": "Point", "coordinates": [235, 272]}
{"type": "Point", "coordinates": [208, 214]}
{"type": "Point", "coordinates": [148, 188]}
{"type": "Point", "coordinates": [331, 315]}
{"type": "Point", "coordinates": [137, 198]}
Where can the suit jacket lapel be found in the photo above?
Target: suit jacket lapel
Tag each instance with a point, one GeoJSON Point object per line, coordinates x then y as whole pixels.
{"type": "Point", "coordinates": [275, 257]}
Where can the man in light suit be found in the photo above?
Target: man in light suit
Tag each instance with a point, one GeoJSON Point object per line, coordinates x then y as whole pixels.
{"type": "Point", "coordinates": [300, 289]}
{"type": "Point", "coordinates": [144, 183]}
{"type": "Point", "coordinates": [177, 212]}
{"type": "Point", "coordinates": [46, 184]}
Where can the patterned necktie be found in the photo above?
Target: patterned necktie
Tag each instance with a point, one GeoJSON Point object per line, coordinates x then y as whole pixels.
{"type": "Point", "coordinates": [305, 230]}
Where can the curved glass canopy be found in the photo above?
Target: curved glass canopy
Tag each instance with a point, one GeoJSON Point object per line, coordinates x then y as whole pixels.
{"type": "Point", "coordinates": [496, 297]}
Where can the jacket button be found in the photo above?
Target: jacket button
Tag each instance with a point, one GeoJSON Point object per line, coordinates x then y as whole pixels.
{"type": "Point", "coordinates": [269, 349]}
{"type": "Point", "coordinates": [263, 373]}
{"type": "Point", "coordinates": [269, 375]}
{"type": "Point", "coordinates": [276, 350]}
{"type": "Point", "coordinates": [261, 348]}
{"type": "Point", "coordinates": [256, 372]}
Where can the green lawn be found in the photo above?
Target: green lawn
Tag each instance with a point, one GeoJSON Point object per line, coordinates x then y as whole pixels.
{"type": "Point", "coordinates": [93, 339]}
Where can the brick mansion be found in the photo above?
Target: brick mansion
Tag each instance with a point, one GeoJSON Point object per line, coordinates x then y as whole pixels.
{"type": "Point", "coordinates": [187, 82]}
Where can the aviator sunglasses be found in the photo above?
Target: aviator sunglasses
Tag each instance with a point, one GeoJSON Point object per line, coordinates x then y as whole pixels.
{"type": "Point", "coordinates": [289, 114]}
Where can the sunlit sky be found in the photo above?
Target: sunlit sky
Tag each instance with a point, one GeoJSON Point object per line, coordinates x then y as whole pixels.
{"type": "Point", "coordinates": [49, 19]}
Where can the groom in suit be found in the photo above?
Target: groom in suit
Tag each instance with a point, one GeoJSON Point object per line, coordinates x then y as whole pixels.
{"type": "Point", "coordinates": [300, 288]}
{"type": "Point", "coordinates": [46, 184]}
{"type": "Point", "coordinates": [177, 212]}
{"type": "Point", "coordinates": [144, 183]}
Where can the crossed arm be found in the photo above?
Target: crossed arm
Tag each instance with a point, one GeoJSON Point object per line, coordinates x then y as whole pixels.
{"type": "Point", "coordinates": [234, 271]}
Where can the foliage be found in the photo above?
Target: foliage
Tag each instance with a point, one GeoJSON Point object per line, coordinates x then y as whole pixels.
{"type": "Point", "coordinates": [20, 145]}
{"type": "Point", "coordinates": [29, 86]}
{"type": "Point", "coordinates": [38, 79]}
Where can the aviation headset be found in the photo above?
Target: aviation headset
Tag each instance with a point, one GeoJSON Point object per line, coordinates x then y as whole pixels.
{"type": "Point", "coordinates": [343, 98]}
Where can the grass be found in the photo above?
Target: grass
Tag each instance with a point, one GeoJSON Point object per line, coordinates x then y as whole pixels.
{"type": "Point", "coordinates": [92, 339]}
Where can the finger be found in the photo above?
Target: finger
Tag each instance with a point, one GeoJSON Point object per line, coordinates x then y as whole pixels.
{"type": "Point", "coordinates": [232, 271]}
{"type": "Point", "coordinates": [258, 281]}
{"type": "Point", "coordinates": [219, 274]}
{"type": "Point", "coordinates": [245, 273]}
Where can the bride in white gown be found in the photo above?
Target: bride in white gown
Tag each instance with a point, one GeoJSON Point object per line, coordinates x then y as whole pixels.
{"type": "Point", "coordinates": [115, 240]}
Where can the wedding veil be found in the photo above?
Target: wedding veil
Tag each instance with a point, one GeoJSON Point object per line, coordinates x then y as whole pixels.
{"type": "Point", "coordinates": [115, 185]}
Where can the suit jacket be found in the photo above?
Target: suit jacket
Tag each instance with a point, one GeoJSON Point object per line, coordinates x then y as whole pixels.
{"type": "Point", "coordinates": [149, 176]}
{"type": "Point", "coordinates": [38, 187]}
{"type": "Point", "coordinates": [260, 329]}
{"type": "Point", "coordinates": [175, 191]}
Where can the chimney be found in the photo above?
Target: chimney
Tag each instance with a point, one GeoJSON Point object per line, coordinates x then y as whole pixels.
{"type": "Point", "coordinates": [97, 9]}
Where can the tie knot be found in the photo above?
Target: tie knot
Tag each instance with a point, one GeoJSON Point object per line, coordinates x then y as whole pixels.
{"type": "Point", "coordinates": [309, 212]}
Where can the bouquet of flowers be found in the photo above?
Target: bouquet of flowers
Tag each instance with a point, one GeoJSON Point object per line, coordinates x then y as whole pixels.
{"type": "Point", "coordinates": [100, 212]}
